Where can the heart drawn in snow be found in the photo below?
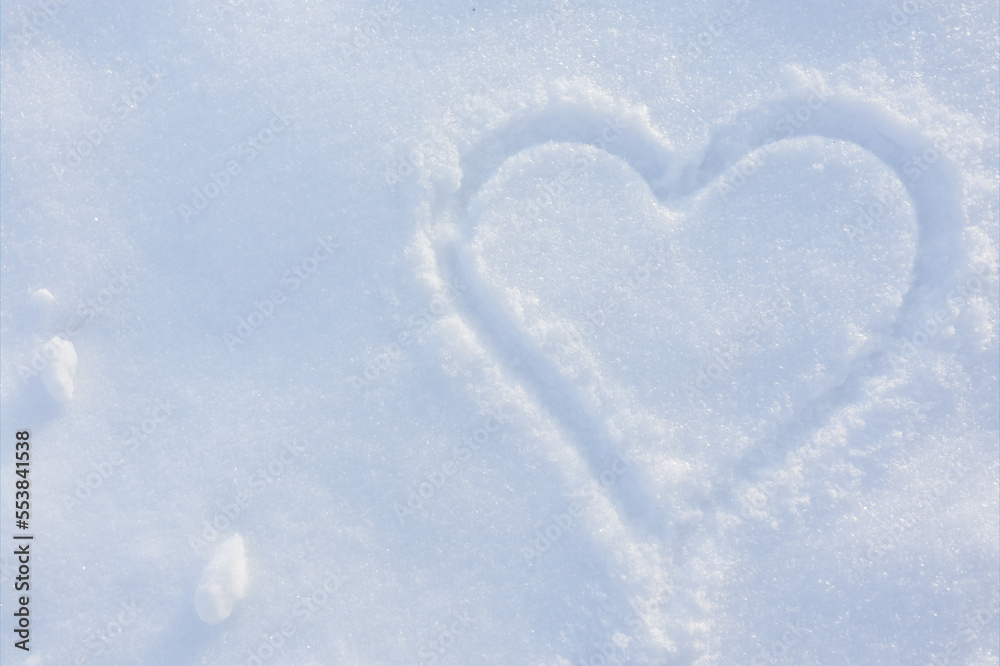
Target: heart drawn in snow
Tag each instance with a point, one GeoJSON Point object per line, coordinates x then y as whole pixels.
{"type": "Point", "coordinates": [809, 110]}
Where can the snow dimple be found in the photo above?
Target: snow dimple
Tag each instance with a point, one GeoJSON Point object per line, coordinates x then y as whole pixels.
{"type": "Point", "coordinates": [223, 581]}
{"type": "Point", "coordinates": [59, 373]}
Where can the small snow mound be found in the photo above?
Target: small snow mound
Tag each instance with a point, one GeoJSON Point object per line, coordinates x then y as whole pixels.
{"type": "Point", "coordinates": [41, 299]}
{"type": "Point", "coordinates": [223, 581]}
{"type": "Point", "coordinates": [59, 373]}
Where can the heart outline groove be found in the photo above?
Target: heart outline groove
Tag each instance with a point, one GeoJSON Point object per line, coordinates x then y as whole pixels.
{"type": "Point", "coordinates": [938, 257]}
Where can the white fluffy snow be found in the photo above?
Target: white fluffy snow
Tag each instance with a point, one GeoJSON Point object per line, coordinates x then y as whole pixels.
{"type": "Point", "coordinates": [42, 299]}
{"type": "Point", "coordinates": [223, 581]}
{"type": "Point", "coordinates": [61, 368]}
{"type": "Point", "coordinates": [480, 333]}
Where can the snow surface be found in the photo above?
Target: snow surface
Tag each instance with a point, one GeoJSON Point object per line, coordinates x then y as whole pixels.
{"type": "Point", "coordinates": [492, 333]}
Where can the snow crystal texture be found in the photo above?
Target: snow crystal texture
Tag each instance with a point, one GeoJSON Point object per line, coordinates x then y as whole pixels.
{"type": "Point", "coordinates": [472, 333]}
